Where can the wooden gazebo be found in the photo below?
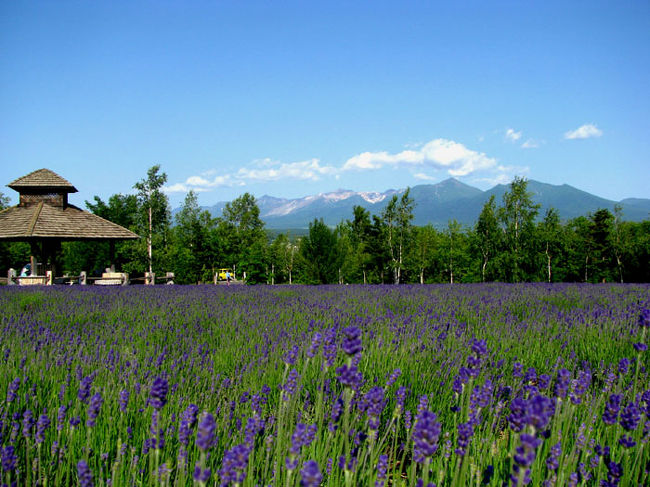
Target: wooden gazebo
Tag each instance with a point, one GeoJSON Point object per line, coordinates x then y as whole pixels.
{"type": "Point", "coordinates": [44, 218]}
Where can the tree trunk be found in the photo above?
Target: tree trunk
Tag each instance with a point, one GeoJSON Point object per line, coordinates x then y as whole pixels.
{"type": "Point", "coordinates": [364, 276]}
{"type": "Point", "coordinates": [548, 263]}
{"type": "Point", "coordinates": [149, 240]}
{"type": "Point", "coordinates": [422, 275]}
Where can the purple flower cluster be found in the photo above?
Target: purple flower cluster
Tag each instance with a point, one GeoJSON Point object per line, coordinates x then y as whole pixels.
{"type": "Point", "coordinates": [425, 436]}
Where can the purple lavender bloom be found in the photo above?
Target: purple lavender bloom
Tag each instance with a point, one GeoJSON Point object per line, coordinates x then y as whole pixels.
{"type": "Point", "coordinates": [627, 441]}
{"type": "Point", "coordinates": [612, 408]}
{"type": "Point", "coordinates": [28, 423]}
{"type": "Point", "coordinates": [290, 385]}
{"type": "Point", "coordinates": [393, 377]}
{"type": "Point", "coordinates": [311, 476]}
{"type": "Point", "coordinates": [349, 376]}
{"type": "Point", "coordinates": [552, 462]}
{"type": "Point", "coordinates": [292, 355]}
{"type": "Point", "coordinates": [42, 424]}
{"type": "Point", "coordinates": [84, 474]}
{"type": "Point", "coordinates": [539, 411]}
{"type": "Point", "coordinates": [644, 318]}
{"type": "Point", "coordinates": [303, 435]}
{"type": "Point", "coordinates": [425, 436]}
{"type": "Point", "coordinates": [630, 416]}
{"type": "Point", "coordinates": [8, 458]}
{"type": "Point", "coordinates": [315, 345]}
{"type": "Point", "coordinates": [13, 389]}
{"type": "Point", "coordinates": [518, 414]}
{"type": "Point", "coordinates": [375, 405]}
{"type": "Point", "coordinates": [382, 468]}
{"type": "Point", "coordinates": [465, 433]}
{"type": "Point", "coordinates": [158, 393]}
{"type": "Point", "coordinates": [93, 410]}
{"type": "Point", "coordinates": [124, 399]}
{"type": "Point", "coordinates": [543, 381]}
{"type": "Point", "coordinates": [640, 347]}
{"type": "Point", "coordinates": [614, 473]}
{"type": "Point", "coordinates": [517, 370]}
{"type": "Point", "coordinates": [233, 467]}
{"type": "Point", "coordinates": [201, 475]}
{"type": "Point", "coordinates": [400, 397]}
{"type": "Point", "coordinates": [623, 366]}
{"type": "Point", "coordinates": [84, 388]}
{"type": "Point", "coordinates": [580, 386]}
{"type": "Point", "coordinates": [562, 383]}
{"type": "Point", "coordinates": [460, 380]}
{"type": "Point", "coordinates": [531, 375]}
{"type": "Point", "coordinates": [329, 347]}
{"type": "Point", "coordinates": [205, 437]}
{"type": "Point", "coordinates": [352, 340]}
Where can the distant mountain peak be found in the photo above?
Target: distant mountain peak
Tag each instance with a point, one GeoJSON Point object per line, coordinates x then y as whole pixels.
{"type": "Point", "coordinates": [434, 203]}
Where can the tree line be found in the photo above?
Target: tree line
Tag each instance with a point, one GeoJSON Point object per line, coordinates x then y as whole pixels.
{"type": "Point", "coordinates": [509, 242]}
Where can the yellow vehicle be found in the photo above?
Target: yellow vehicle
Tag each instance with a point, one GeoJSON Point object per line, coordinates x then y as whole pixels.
{"type": "Point", "coordinates": [222, 275]}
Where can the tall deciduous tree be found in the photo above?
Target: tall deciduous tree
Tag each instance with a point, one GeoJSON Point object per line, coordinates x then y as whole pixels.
{"type": "Point", "coordinates": [319, 252]}
{"type": "Point", "coordinates": [155, 205]}
{"type": "Point", "coordinates": [517, 216]}
{"type": "Point", "coordinates": [397, 217]}
{"type": "Point", "coordinates": [550, 234]}
{"type": "Point", "coordinates": [487, 237]}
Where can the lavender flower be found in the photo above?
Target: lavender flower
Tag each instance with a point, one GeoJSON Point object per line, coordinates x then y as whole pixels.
{"type": "Point", "coordinates": [233, 467]}
{"type": "Point", "coordinates": [311, 476]}
{"type": "Point", "coordinates": [290, 385]}
{"type": "Point", "coordinates": [644, 318]}
{"type": "Point", "coordinates": [612, 408]}
{"type": "Point", "coordinates": [562, 383]}
{"type": "Point", "coordinates": [315, 345]}
{"type": "Point", "coordinates": [630, 416]}
{"type": "Point", "coordinates": [349, 376]}
{"type": "Point", "coordinates": [13, 389]}
{"type": "Point", "coordinates": [552, 462]}
{"type": "Point", "coordinates": [84, 388]}
{"type": "Point", "coordinates": [205, 437]}
{"type": "Point", "coordinates": [425, 436]}
{"type": "Point", "coordinates": [84, 474]}
{"type": "Point", "coordinates": [623, 366]}
{"type": "Point", "coordinates": [124, 400]}
{"type": "Point", "coordinates": [42, 424]}
{"type": "Point", "coordinates": [465, 433]}
{"type": "Point", "coordinates": [8, 458]}
{"type": "Point", "coordinates": [382, 468]}
{"type": "Point", "coordinates": [375, 405]}
{"type": "Point", "coordinates": [352, 340]}
{"type": "Point", "coordinates": [28, 423]}
{"type": "Point", "coordinates": [93, 410]}
{"type": "Point", "coordinates": [158, 393]}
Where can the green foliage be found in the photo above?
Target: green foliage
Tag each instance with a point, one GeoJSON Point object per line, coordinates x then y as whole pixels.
{"type": "Point", "coordinates": [320, 254]}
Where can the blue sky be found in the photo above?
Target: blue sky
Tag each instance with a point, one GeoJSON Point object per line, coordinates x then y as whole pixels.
{"type": "Point", "coordinates": [295, 98]}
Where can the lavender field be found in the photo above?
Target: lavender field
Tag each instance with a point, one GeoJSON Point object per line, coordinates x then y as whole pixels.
{"type": "Point", "coordinates": [333, 385]}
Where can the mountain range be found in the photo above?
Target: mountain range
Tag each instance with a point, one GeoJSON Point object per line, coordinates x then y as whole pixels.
{"type": "Point", "coordinates": [434, 203]}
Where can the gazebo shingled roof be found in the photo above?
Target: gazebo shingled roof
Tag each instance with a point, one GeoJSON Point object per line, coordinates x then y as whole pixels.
{"type": "Point", "coordinates": [44, 213]}
{"type": "Point", "coordinates": [41, 179]}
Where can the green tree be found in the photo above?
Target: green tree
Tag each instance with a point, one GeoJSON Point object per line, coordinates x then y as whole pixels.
{"type": "Point", "coordinates": [423, 250]}
{"type": "Point", "coordinates": [487, 238]}
{"type": "Point", "coordinates": [193, 257]}
{"type": "Point", "coordinates": [243, 238]}
{"type": "Point", "coordinates": [550, 237]}
{"type": "Point", "coordinates": [517, 216]}
{"type": "Point", "coordinates": [397, 216]}
{"type": "Point", "coordinates": [320, 254]}
{"type": "Point", "coordinates": [359, 232]}
{"type": "Point", "coordinates": [601, 234]}
{"type": "Point", "coordinates": [155, 215]}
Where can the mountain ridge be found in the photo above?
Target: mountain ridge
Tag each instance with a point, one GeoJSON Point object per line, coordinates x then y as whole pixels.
{"type": "Point", "coordinates": [434, 203]}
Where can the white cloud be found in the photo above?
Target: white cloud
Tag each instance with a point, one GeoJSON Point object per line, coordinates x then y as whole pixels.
{"type": "Point", "coordinates": [452, 156]}
{"type": "Point", "coordinates": [530, 144]}
{"type": "Point", "coordinates": [423, 177]}
{"type": "Point", "coordinates": [310, 170]}
{"type": "Point", "coordinates": [512, 135]}
{"type": "Point", "coordinates": [585, 132]}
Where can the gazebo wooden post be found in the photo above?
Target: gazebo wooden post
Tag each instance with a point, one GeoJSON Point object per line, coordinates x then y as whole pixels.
{"type": "Point", "coordinates": [33, 251]}
{"type": "Point", "coordinates": [111, 254]}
